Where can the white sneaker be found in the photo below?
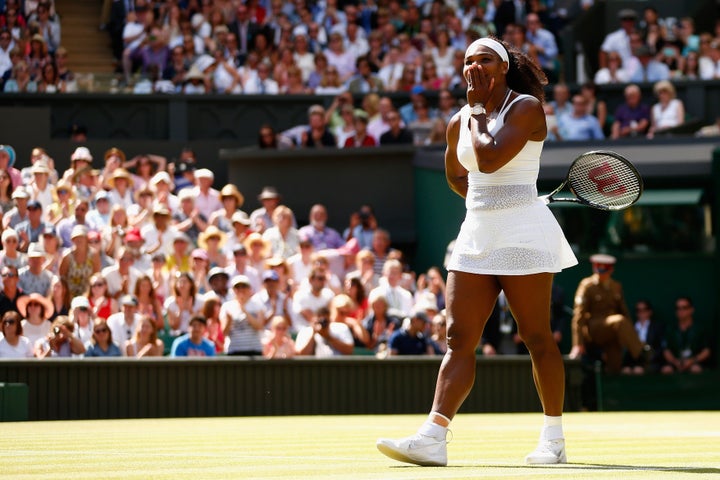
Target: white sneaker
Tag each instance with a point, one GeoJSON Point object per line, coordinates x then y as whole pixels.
{"type": "Point", "coordinates": [418, 449]}
{"type": "Point", "coordinates": [548, 452]}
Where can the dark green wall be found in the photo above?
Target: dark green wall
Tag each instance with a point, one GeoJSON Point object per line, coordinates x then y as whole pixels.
{"type": "Point", "coordinates": [73, 389]}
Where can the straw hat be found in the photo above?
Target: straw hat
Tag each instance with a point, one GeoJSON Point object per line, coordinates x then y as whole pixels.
{"type": "Point", "coordinates": [255, 238]}
{"type": "Point", "coordinates": [230, 190]}
{"type": "Point", "coordinates": [120, 173]}
{"type": "Point", "coordinates": [22, 303]}
{"type": "Point", "coordinates": [211, 231]}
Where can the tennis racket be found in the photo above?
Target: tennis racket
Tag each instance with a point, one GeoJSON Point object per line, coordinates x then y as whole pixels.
{"type": "Point", "coordinates": [601, 179]}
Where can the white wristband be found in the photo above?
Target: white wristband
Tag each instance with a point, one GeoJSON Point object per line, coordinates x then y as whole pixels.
{"type": "Point", "coordinates": [477, 109]}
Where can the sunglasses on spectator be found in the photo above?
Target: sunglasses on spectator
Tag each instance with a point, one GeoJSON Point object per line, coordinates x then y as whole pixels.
{"type": "Point", "coordinates": [101, 330]}
{"type": "Point", "coordinates": [9, 275]}
{"type": "Point", "coordinates": [8, 322]}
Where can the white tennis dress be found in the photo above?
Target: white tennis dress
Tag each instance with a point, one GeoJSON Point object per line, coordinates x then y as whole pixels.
{"type": "Point", "coordinates": [507, 230]}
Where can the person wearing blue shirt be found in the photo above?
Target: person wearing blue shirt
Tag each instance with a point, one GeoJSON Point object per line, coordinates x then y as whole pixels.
{"type": "Point", "coordinates": [579, 125]}
{"type": "Point", "coordinates": [412, 340]}
{"type": "Point", "coordinates": [194, 344]}
{"type": "Point", "coordinates": [545, 45]}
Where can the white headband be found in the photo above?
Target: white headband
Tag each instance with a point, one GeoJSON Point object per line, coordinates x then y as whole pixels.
{"type": "Point", "coordinates": [493, 45]}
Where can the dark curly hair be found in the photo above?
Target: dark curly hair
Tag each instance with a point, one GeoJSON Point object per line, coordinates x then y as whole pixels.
{"type": "Point", "coordinates": [524, 76]}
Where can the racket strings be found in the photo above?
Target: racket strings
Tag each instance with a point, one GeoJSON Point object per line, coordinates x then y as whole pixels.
{"type": "Point", "coordinates": [605, 180]}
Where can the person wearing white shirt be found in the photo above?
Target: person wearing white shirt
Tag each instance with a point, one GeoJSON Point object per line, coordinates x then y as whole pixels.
{"type": "Point", "coordinates": [124, 323]}
{"type": "Point", "coordinates": [399, 299]}
{"type": "Point", "coordinates": [159, 235]}
{"type": "Point", "coordinates": [323, 337]}
{"type": "Point", "coordinates": [207, 199]}
{"type": "Point", "coordinates": [13, 344]}
{"type": "Point", "coordinates": [6, 45]}
{"type": "Point", "coordinates": [122, 277]}
{"type": "Point", "coordinates": [619, 40]}
{"type": "Point", "coordinates": [307, 301]}
{"type": "Point", "coordinates": [261, 83]}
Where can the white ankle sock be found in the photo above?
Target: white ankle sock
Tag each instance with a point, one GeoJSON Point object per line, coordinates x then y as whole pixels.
{"type": "Point", "coordinates": [432, 429]}
{"type": "Point", "coordinates": [552, 428]}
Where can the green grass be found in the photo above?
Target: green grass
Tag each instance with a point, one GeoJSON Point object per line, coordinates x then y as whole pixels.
{"type": "Point", "coordinates": [599, 445]}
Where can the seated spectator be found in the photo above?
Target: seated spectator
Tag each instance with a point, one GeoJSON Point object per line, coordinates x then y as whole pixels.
{"type": "Point", "coordinates": [101, 344]}
{"type": "Point", "coordinates": [361, 137]}
{"type": "Point", "coordinates": [411, 339]}
{"type": "Point", "coordinates": [213, 327]}
{"type": "Point", "coordinates": [619, 40]}
{"type": "Point", "coordinates": [690, 67]}
{"type": "Point", "coordinates": [194, 344]}
{"type": "Point", "coordinates": [30, 230]}
{"type": "Point", "coordinates": [278, 344]}
{"type": "Point", "coordinates": [48, 24]}
{"type": "Point", "coordinates": [317, 134]}
{"type": "Point", "coordinates": [13, 344]}
{"type": "Point", "coordinates": [323, 337]}
{"type": "Point", "coordinates": [34, 278]}
{"type": "Point", "coordinates": [632, 118]}
{"type": "Point", "coordinates": [544, 45]}
{"type": "Point", "coordinates": [341, 310]}
{"type": "Point", "coordinates": [195, 82]}
{"type": "Point", "coordinates": [317, 230]}
{"type": "Point", "coordinates": [145, 341]}
{"type": "Point", "coordinates": [650, 69]}
{"type": "Point", "coordinates": [709, 58]}
{"type": "Point", "coordinates": [282, 237]}
{"type": "Point", "coordinates": [243, 320]}
{"type": "Point", "coordinates": [400, 300]}
{"type": "Point", "coordinates": [306, 302]}
{"type": "Point", "coordinates": [20, 80]}
{"type": "Point", "coordinates": [652, 333]}
{"type": "Point", "coordinates": [613, 72]}
{"type": "Point", "coordinates": [152, 52]}
{"type": "Point", "coordinates": [668, 112]}
{"type": "Point", "coordinates": [36, 311]}
{"type": "Point", "coordinates": [365, 81]}
{"type": "Point", "coordinates": [269, 138]}
{"type": "Point", "coordinates": [124, 323]}
{"type": "Point", "coordinates": [397, 134]}
{"type": "Point", "coordinates": [60, 341]}
{"type": "Point", "coordinates": [100, 300]}
{"type": "Point", "coordinates": [262, 83]}
{"type": "Point", "coordinates": [579, 125]}
{"type": "Point", "coordinates": [438, 338]}
{"type": "Point", "coordinates": [688, 344]}
{"type": "Point", "coordinates": [596, 105]}
{"type": "Point", "coordinates": [561, 99]}
{"type": "Point", "coordinates": [447, 106]}
{"type": "Point", "coordinates": [10, 255]}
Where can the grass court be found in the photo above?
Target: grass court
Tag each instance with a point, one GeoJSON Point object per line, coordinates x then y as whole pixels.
{"type": "Point", "coordinates": [647, 445]}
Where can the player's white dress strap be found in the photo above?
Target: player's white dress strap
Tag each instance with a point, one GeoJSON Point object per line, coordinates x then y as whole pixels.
{"type": "Point", "coordinates": [524, 167]}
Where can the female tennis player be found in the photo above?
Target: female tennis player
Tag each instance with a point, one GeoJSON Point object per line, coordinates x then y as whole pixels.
{"type": "Point", "coordinates": [509, 241]}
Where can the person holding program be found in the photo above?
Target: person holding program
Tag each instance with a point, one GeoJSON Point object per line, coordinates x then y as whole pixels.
{"type": "Point", "coordinates": [509, 241]}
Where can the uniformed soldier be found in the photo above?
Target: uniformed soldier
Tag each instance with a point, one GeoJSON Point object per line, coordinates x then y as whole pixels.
{"type": "Point", "coordinates": [601, 319]}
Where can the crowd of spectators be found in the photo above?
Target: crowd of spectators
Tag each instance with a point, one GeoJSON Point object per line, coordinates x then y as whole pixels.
{"type": "Point", "coordinates": [142, 257]}
{"type": "Point", "coordinates": [352, 49]}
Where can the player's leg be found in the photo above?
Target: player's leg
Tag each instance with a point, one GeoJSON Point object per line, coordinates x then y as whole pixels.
{"type": "Point", "coordinates": [529, 300]}
{"type": "Point", "coordinates": [470, 300]}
